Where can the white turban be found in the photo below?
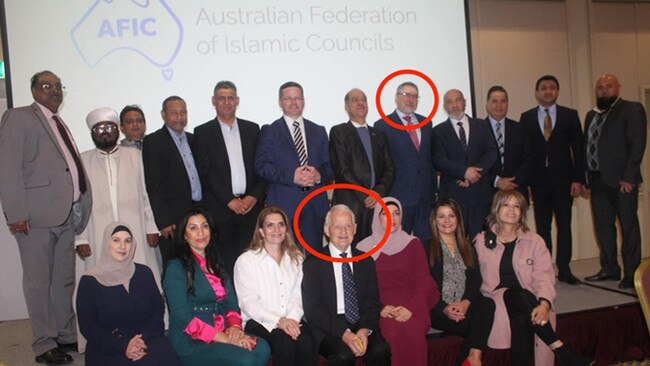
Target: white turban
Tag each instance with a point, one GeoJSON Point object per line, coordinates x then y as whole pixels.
{"type": "Point", "coordinates": [99, 115]}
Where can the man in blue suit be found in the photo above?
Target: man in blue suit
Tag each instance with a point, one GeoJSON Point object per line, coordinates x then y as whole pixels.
{"type": "Point", "coordinates": [465, 150]}
{"type": "Point", "coordinates": [415, 181]}
{"type": "Point", "coordinates": [293, 156]}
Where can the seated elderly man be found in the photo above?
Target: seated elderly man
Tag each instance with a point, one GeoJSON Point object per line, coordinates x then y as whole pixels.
{"type": "Point", "coordinates": [341, 300]}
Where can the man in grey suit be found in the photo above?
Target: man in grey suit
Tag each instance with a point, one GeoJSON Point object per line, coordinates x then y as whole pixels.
{"type": "Point", "coordinates": [46, 200]}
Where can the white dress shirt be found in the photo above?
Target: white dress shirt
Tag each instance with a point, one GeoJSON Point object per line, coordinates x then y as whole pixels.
{"type": "Point", "coordinates": [338, 277]}
{"type": "Point", "coordinates": [232, 139]}
{"type": "Point", "coordinates": [465, 122]}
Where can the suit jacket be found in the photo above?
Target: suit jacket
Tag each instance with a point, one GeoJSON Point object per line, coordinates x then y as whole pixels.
{"type": "Point", "coordinates": [168, 184]}
{"type": "Point", "coordinates": [415, 177]}
{"type": "Point", "coordinates": [621, 143]}
{"type": "Point", "coordinates": [565, 142]}
{"type": "Point", "coordinates": [319, 296]}
{"type": "Point", "coordinates": [36, 184]}
{"type": "Point", "coordinates": [276, 161]}
{"type": "Point", "coordinates": [214, 167]}
{"type": "Point", "coordinates": [351, 165]}
{"type": "Point", "coordinates": [452, 160]}
{"type": "Point", "coordinates": [517, 156]}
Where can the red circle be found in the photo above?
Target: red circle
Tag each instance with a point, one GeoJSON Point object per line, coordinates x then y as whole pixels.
{"type": "Point", "coordinates": [355, 187]}
{"type": "Point", "coordinates": [399, 126]}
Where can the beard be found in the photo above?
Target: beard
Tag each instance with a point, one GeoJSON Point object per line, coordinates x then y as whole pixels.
{"type": "Point", "coordinates": [604, 103]}
{"type": "Point", "coordinates": [104, 141]}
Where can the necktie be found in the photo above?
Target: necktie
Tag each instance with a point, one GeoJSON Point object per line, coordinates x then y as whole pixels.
{"type": "Point", "coordinates": [461, 135]}
{"type": "Point", "coordinates": [412, 133]}
{"type": "Point", "coordinates": [138, 144]}
{"type": "Point", "coordinates": [500, 141]}
{"type": "Point", "coordinates": [349, 293]}
{"type": "Point", "coordinates": [73, 152]}
{"type": "Point", "coordinates": [300, 144]}
{"type": "Point", "coordinates": [592, 149]}
{"type": "Point", "coordinates": [548, 128]}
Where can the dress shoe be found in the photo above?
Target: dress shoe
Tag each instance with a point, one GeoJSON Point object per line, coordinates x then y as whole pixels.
{"type": "Point", "coordinates": [568, 278]}
{"type": "Point", "coordinates": [68, 347]}
{"type": "Point", "coordinates": [626, 284]}
{"type": "Point", "coordinates": [54, 357]}
{"type": "Point", "coordinates": [566, 357]}
{"type": "Point", "coordinates": [603, 276]}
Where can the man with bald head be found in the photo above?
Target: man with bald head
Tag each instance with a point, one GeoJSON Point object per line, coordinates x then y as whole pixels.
{"type": "Point", "coordinates": [615, 132]}
{"type": "Point", "coordinates": [464, 151]}
{"type": "Point", "coordinates": [360, 155]}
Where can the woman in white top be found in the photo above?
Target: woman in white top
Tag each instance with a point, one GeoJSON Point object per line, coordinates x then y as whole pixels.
{"type": "Point", "coordinates": [267, 281]}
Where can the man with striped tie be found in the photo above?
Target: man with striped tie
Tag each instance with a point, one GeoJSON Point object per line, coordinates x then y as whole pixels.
{"type": "Point", "coordinates": [293, 156]}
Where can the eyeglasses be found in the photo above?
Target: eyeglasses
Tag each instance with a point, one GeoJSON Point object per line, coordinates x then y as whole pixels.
{"type": "Point", "coordinates": [47, 87]}
{"type": "Point", "coordinates": [104, 128]}
{"type": "Point", "coordinates": [409, 95]}
{"type": "Point", "coordinates": [133, 121]}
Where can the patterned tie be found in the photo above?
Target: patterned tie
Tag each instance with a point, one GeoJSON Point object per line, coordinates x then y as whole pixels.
{"type": "Point", "coordinates": [462, 136]}
{"type": "Point", "coordinates": [592, 149]}
{"type": "Point", "coordinates": [500, 141]}
{"type": "Point", "coordinates": [412, 133]}
{"type": "Point", "coordinates": [300, 144]}
{"type": "Point", "coordinates": [548, 128]}
{"type": "Point", "coordinates": [73, 152]}
{"type": "Point", "coordinates": [138, 144]}
{"type": "Point", "coordinates": [349, 293]}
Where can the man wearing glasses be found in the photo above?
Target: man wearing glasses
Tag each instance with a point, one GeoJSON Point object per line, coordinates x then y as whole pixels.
{"type": "Point", "coordinates": [133, 125]}
{"type": "Point", "coordinates": [415, 181]}
{"type": "Point", "coordinates": [46, 199]}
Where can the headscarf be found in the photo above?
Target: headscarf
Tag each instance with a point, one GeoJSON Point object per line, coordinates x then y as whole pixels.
{"type": "Point", "coordinates": [396, 242]}
{"type": "Point", "coordinates": [102, 115]}
{"type": "Point", "coordinates": [108, 271]}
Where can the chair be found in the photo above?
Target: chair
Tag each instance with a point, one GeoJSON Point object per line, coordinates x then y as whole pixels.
{"type": "Point", "coordinates": [642, 285]}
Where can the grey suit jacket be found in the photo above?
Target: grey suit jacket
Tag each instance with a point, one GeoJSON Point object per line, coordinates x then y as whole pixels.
{"type": "Point", "coordinates": [35, 184]}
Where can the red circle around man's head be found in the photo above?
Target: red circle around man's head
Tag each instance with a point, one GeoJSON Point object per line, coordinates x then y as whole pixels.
{"type": "Point", "coordinates": [301, 205]}
{"type": "Point", "coordinates": [399, 126]}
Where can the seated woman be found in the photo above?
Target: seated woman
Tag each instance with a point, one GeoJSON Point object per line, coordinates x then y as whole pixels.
{"type": "Point", "coordinates": [204, 321]}
{"type": "Point", "coordinates": [518, 275]}
{"type": "Point", "coordinates": [267, 280]}
{"type": "Point", "coordinates": [462, 310]}
{"type": "Point", "coordinates": [406, 289]}
{"type": "Point", "coordinates": [119, 308]}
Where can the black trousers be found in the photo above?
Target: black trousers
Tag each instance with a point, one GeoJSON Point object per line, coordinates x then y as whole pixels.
{"type": "Point", "coordinates": [234, 235]}
{"type": "Point", "coordinates": [339, 354]}
{"type": "Point", "coordinates": [520, 304]}
{"type": "Point", "coordinates": [284, 349]}
{"type": "Point", "coordinates": [476, 326]}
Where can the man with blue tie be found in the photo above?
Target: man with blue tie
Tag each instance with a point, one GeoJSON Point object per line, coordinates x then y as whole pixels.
{"type": "Point", "coordinates": [293, 156]}
{"type": "Point", "coordinates": [415, 181]}
{"type": "Point", "coordinates": [341, 300]}
{"type": "Point", "coordinates": [464, 152]}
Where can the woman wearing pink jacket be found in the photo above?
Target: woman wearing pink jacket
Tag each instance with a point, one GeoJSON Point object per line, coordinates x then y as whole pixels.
{"type": "Point", "coordinates": [518, 275]}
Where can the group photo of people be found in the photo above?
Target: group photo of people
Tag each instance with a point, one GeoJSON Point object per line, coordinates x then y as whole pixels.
{"type": "Point", "coordinates": [170, 247]}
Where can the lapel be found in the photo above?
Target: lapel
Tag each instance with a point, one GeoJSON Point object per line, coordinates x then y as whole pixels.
{"type": "Point", "coordinates": [202, 285]}
{"type": "Point", "coordinates": [286, 134]}
{"type": "Point", "coordinates": [330, 282]}
{"type": "Point", "coordinates": [450, 134]}
{"type": "Point", "coordinates": [535, 124]}
{"type": "Point", "coordinates": [220, 144]}
{"type": "Point", "coordinates": [176, 153]}
{"type": "Point", "coordinates": [47, 127]}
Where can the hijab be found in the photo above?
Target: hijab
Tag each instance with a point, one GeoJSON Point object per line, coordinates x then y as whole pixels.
{"type": "Point", "coordinates": [108, 271]}
{"type": "Point", "coordinates": [396, 242]}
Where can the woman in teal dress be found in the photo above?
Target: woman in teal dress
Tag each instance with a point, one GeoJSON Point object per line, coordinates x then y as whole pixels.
{"type": "Point", "coordinates": [204, 318]}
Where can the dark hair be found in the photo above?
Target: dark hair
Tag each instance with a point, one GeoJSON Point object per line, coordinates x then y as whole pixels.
{"type": "Point", "coordinates": [546, 78]}
{"type": "Point", "coordinates": [225, 84]}
{"type": "Point", "coordinates": [131, 108]}
{"type": "Point", "coordinates": [183, 252]}
{"type": "Point", "coordinates": [462, 243]}
{"type": "Point", "coordinates": [170, 99]}
{"type": "Point", "coordinates": [34, 80]}
{"type": "Point", "coordinates": [290, 84]}
{"type": "Point", "coordinates": [494, 89]}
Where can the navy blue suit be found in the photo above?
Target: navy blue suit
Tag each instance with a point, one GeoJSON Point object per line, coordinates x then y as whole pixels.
{"type": "Point", "coordinates": [276, 161]}
{"type": "Point", "coordinates": [415, 182]}
{"type": "Point", "coordinates": [452, 161]}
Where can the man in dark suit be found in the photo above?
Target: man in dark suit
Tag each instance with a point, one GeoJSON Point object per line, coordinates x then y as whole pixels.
{"type": "Point", "coordinates": [615, 133]}
{"type": "Point", "coordinates": [225, 156]}
{"type": "Point", "coordinates": [170, 172]}
{"type": "Point", "coordinates": [464, 152]}
{"type": "Point", "coordinates": [515, 153]}
{"type": "Point", "coordinates": [293, 156]}
{"type": "Point", "coordinates": [557, 172]}
{"type": "Point", "coordinates": [342, 308]}
{"type": "Point", "coordinates": [360, 155]}
{"type": "Point", "coordinates": [415, 182]}
{"type": "Point", "coordinates": [46, 200]}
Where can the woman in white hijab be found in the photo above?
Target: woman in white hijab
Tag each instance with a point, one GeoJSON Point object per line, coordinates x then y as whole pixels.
{"type": "Point", "coordinates": [119, 308]}
{"type": "Point", "coordinates": [406, 288]}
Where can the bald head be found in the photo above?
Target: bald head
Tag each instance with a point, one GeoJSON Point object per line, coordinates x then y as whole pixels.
{"type": "Point", "coordinates": [454, 103]}
{"type": "Point", "coordinates": [607, 91]}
